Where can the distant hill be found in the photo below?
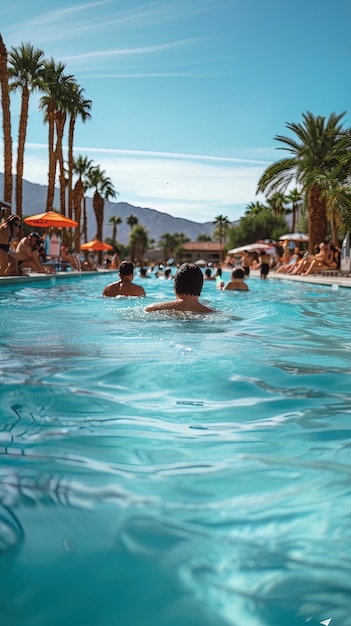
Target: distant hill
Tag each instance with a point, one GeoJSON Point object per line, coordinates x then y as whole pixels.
{"type": "Point", "coordinates": [155, 222]}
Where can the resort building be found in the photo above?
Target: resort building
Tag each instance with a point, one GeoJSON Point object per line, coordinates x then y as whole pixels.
{"type": "Point", "coordinates": [195, 251]}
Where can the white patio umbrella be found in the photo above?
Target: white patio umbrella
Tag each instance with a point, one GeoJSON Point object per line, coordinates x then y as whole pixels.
{"type": "Point", "coordinates": [250, 247]}
{"type": "Point", "coordinates": [294, 237]}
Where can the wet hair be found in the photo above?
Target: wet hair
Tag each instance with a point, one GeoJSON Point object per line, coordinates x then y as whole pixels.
{"type": "Point", "coordinates": [126, 268]}
{"type": "Point", "coordinates": [208, 272]}
{"type": "Point", "coordinates": [238, 273]}
{"type": "Point", "coordinates": [188, 280]}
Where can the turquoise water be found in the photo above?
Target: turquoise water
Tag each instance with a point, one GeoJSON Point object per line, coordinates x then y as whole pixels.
{"type": "Point", "coordinates": [161, 470]}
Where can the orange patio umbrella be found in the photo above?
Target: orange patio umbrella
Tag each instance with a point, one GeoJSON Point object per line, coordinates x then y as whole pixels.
{"type": "Point", "coordinates": [50, 218]}
{"type": "Point", "coordinates": [96, 246]}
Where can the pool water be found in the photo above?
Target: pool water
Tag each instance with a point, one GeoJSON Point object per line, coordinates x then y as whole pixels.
{"type": "Point", "coordinates": [175, 469]}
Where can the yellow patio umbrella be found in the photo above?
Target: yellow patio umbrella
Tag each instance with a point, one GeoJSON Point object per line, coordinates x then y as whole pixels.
{"type": "Point", "coordinates": [96, 246]}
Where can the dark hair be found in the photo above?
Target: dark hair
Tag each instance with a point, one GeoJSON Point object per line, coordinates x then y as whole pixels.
{"type": "Point", "coordinates": [126, 268]}
{"type": "Point", "coordinates": [36, 235]}
{"type": "Point", "coordinates": [238, 273]}
{"type": "Point", "coordinates": [188, 280]}
{"type": "Point", "coordinates": [208, 272]}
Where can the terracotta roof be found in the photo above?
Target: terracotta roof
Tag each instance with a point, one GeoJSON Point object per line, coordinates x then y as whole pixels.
{"type": "Point", "coordinates": [201, 246]}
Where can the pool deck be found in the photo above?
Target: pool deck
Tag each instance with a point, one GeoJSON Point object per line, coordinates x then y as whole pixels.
{"type": "Point", "coordinates": [340, 281]}
{"type": "Point", "coordinates": [36, 277]}
{"type": "Point", "coordinates": [316, 279]}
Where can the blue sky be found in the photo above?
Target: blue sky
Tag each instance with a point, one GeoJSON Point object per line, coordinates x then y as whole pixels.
{"type": "Point", "coordinates": [187, 95]}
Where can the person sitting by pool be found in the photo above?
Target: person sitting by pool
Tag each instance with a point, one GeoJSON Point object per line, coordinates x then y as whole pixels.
{"type": "Point", "coordinates": [26, 254]}
{"type": "Point", "coordinates": [188, 282]}
{"type": "Point", "coordinates": [236, 282]}
{"type": "Point", "coordinates": [72, 259]}
{"type": "Point", "coordinates": [124, 286]}
{"type": "Point", "coordinates": [327, 260]}
{"type": "Point", "coordinates": [9, 229]}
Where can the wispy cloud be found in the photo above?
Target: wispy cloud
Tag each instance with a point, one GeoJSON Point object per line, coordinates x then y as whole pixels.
{"type": "Point", "coordinates": [127, 51]}
{"type": "Point", "coordinates": [191, 186]}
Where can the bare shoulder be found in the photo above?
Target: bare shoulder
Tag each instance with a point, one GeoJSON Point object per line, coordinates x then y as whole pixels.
{"type": "Point", "coordinates": [137, 290]}
{"type": "Point", "coordinates": [119, 288]}
{"type": "Point", "coordinates": [163, 306]}
{"type": "Point", "coordinates": [111, 290]}
{"type": "Point", "coordinates": [179, 305]}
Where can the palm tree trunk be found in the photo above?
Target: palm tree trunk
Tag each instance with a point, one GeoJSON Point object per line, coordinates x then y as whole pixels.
{"type": "Point", "coordinates": [70, 166]}
{"type": "Point", "coordinates": [6, 123]}
{"type": "Point", "coordinates": [22, 132]}
{"type": "Point", "coordinates": [52, 158]}
{"type": "Point", "coordinates": [60, 124]}
{"type": "Point", "coordinates": [77, 205]}
{"type": "Point", "coordinates": [317, 219]}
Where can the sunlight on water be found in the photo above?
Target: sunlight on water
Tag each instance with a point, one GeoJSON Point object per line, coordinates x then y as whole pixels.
{"type": "Point", "coordinates": [166, 470]}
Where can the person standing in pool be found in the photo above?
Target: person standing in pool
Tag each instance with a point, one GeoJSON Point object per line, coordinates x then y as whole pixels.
{"type": "Point", "coordinates": [188, 283]}
{"type": "Point", "coordinates": [265, 259]}
{"type": "Point", "coordinates": [124, 286]}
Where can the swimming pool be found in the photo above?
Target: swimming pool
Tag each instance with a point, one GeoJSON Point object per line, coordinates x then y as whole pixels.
{"type": "Point", "coordinates": [163, 470]}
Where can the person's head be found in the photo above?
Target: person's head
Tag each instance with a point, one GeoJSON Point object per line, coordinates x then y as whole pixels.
{"type": "Point", "coordinates": [34, 240]}
{"type": "Point", "coordinates": [238, 274]}
{"type": "Point", "coordinates": [14, 222]}
{"type": "Point", "coordinates": [168, 272]}
{"type": "Point", "coordinates": [208, 272]}
{"type": "Point", "coordinates": [188, 280]}
{"type": "Point", "coordinates": [126, 269]}
{"type": "Point", "coordinates": [143, 271]}
{"type": "Point", "coordinates": [219, 272]}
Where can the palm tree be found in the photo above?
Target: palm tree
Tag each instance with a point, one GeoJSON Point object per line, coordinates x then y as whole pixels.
{"type": "Point", "coordinates": [6, 123]}
{"type": "Point", "coordinates": [276, 202]}
{"type": "Point", "coordinates": [318, 147]}
{"type": "Point", "coordinates": [172, 245]}
{"type": "Point", "coordinates": [115, 220]}
{"type": "Point", "coordinates": [222, 223]}
{"type": "Point", "coordinates": [25, 68]}
{"type": "Point", "coordinates": [167, 243]}
{"type": "Point", "coordinates": [254, 208]}
{"type": "Point", "coordinates": [78, 107]}
{"type": "Point", "coordinates": [81, 167]}
{"type": "Point", "coordinates": [104, 190]}
{"type": "Point", "coordinates": [296, 199]}
{"type": "Point", "coordinates": [132, 221]}
{"type": "Point", "coordinates": [54, 81]}
{"type": "Point", "coordinates": [138, 243]}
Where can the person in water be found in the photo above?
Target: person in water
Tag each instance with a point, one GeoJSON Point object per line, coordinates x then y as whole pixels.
{"type": "Point", "coordinates": [236, 282]}
{"type": "Point", "coordinates": [188, 282]}
{"type": "Point", "coordinates": [124, 286]}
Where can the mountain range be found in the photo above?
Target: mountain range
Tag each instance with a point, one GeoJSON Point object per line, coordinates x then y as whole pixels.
{"type": "Point", "coordinates": [155, 222]}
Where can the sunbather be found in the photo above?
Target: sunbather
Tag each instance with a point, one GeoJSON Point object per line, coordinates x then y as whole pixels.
{"type": "Point", "coordinates": [9, 229]}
